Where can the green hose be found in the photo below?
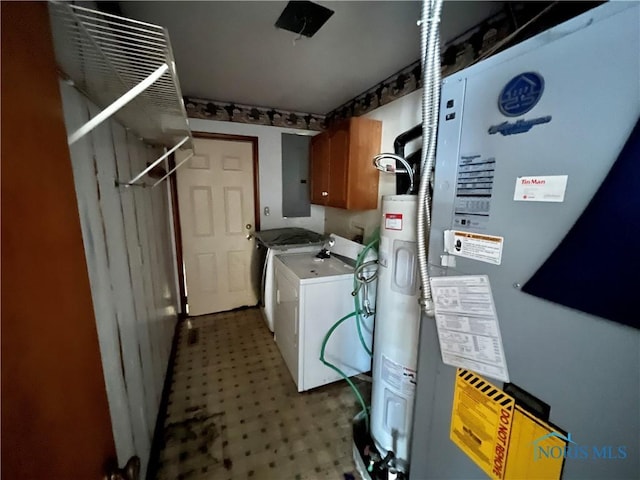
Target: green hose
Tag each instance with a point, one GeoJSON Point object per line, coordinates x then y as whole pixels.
{"type": "Point", "coordinates": [340, 372]}
{"type": "Point", "coordinates": [356, 314]}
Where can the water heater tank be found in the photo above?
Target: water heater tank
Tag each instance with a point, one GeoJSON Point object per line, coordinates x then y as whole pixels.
{"type": "Point", "coordinates": [395, 348]}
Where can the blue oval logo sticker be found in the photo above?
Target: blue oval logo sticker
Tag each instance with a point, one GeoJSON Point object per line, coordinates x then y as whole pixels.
{"type": "Point", "coordinates": [521, 94]}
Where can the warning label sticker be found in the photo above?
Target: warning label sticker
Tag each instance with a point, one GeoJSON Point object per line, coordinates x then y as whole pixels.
{"type": "Point", "coordinates": [401, 378]}
{"type": "Point", "coordinates": [393, 221]}
{"type": "Point", "coordinates": [484, 248]}
{"type": "Point", "coordinates": [530, 439]}
{"type": "Point", "coordinates": [481, 422]}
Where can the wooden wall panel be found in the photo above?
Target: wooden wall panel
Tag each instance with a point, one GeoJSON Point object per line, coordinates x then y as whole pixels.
{"type": "Point", "coordinates": [55, 417]}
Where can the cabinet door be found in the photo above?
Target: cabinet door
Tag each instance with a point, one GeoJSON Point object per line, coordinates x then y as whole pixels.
{"type": "Point", "coordinates": [285, 325]}
{"type": "Point", "coordinates": [338, 165]}
{"type": "Point", "coordinates": [319, 171]}
{"type": "Point", "coordinates": [364, 138]}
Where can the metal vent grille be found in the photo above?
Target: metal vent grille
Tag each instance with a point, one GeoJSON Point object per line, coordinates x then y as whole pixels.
{"type": "Point", "coordinates": [105, 56]}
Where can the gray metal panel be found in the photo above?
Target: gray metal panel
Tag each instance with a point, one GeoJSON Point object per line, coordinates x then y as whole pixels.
{"type": "Point", "coordinates": [295, 175]}
{"type": "Point", "coordinates": [585, 367]}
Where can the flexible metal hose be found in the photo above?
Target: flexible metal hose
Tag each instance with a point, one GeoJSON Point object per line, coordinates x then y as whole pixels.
{"type": "Point", "coordinates": [430, 51]}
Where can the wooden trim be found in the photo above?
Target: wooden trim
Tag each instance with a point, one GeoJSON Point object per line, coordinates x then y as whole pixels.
{"type": "Point", "coordinates": [157, 442]}
{"type": "Point", "coordinates": [256, 171]}
{"type": "Point", "coordinates": [177, 230]}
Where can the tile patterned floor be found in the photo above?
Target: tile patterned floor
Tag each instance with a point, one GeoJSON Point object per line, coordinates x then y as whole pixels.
{"type": "Point", "coordinates": [234, 412]}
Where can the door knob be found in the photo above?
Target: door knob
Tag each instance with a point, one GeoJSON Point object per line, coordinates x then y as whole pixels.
{"type": "Point", "coordinates": [131, 471]}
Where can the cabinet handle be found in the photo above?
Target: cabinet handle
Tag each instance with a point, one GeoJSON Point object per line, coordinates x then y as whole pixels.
{"type": "Point", "coordinates": [325, 194]}
{"type": "Point", "coordinates": [278, 297]}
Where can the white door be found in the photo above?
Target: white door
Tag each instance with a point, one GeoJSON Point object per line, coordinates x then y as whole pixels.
{"type": "Point", "coordinates": [215, 196]}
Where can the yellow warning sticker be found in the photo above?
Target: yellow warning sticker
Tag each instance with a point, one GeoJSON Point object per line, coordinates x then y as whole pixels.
{"type": "Point", "coordinates": [481, 422]}
{"type": "Point", "coordinates": [530, 439]}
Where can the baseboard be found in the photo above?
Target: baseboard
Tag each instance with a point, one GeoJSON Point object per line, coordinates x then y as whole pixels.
{"type": "Point", "coordinates": [157, 442]}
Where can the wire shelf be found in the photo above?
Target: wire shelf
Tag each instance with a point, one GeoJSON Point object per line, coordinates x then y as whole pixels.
{"type": "Point", "coordinates": [106, 56]}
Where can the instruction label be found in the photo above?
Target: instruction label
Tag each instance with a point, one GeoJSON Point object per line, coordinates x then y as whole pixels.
{"type": "Point", "coordinates": [467, 325]}
{"type": "Point", "coordinates": [393, 221]}
{"type": "Point", "coordinates": [401, 378]}
{"type": "Point", "coordinates": [476, 246]}
{"type": "Point", "coordinates": [481, 422]}
{"type": "Point", "coordinates": [541, 189]}
{"type": "Point", "coordinates": [474, 187]}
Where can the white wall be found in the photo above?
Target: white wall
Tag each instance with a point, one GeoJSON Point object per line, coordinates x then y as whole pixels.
{"type": "Point", "coordinates": [397, 117]}
{"type": "Point", "coordinates": [127, 242]}
{"type": "Point", "coordinates": [270, 166]}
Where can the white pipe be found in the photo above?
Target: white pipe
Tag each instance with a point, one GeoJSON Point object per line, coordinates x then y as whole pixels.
{"type": "Point", "coordinates": [430, 51]}
{"type": "Point", "coordinates": [117, 105]}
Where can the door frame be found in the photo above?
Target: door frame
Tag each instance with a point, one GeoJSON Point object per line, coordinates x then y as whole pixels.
{"type": "Point", "coordinates": [175, 201]}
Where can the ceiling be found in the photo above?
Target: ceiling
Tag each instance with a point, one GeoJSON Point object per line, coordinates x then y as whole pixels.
{"type": "Point", "coordinates": [231, 51]}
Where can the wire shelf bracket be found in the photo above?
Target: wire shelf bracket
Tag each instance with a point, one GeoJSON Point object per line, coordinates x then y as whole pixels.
{"type": "Point", "coordinates": [150, 167]}
{"type": "Point", "coordinates": [117, 105]}
{"type": "Point", "coordinates": [125, 67]}
{"type": "Point", "coordinates": [188, 157]}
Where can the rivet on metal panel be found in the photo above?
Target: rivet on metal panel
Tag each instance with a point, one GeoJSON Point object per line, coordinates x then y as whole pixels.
{"type": "Point", "coordinates": [516, 285]}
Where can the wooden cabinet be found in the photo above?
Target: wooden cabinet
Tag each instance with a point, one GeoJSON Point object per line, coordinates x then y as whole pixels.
{"type": "Point", "coordinates": [342, 173]}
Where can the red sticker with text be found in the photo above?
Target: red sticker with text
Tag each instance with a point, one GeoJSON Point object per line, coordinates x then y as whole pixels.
{"type": "Point", "coordinates": [393, 221]}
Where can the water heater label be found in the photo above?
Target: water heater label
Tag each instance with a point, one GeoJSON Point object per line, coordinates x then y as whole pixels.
{"type": "Point", "coordinates": [393, 221]}
{"type": "Point", "coordinates": [401, 378]}
{"type": "Point", "coordinates": [476, 246]}
{"type": "Point", "coordinates": [541, 189]}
